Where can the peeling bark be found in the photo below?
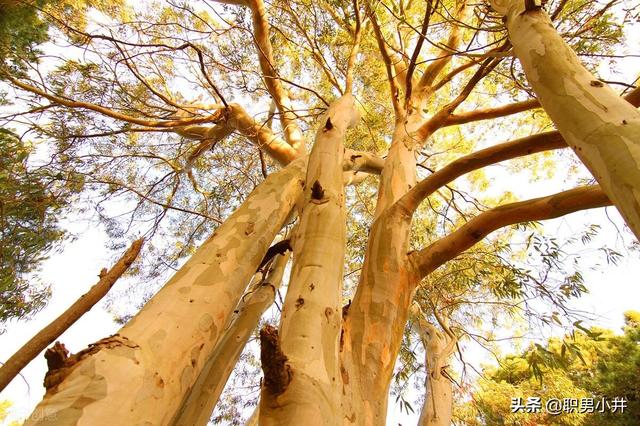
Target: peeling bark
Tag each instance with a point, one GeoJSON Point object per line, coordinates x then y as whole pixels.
{"type": "Point", "coordinates": [310, 322]}
{"type": "Point", "coordinates": [372, 332]}
{"type": "Point", "coordinates": [200, 402]}
{"type": "Point", "coordinates": [601, 128]}
{"type": "Point", "coordinates": [139, 383]}
{"type": "Point", "coordinates": [277, 373]}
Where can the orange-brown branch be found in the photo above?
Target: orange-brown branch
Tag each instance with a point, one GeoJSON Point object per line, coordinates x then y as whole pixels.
{"type": "Point", "coordinates": [485, 157]}
{"type": "Point", "coordinates": [476, 160]}
{"type": "Point", "coordinates": [436, 66]}
{"type": "Point", "coordinates": [560, 204]}
{"type": "Point", "coordinates": [490, 113]}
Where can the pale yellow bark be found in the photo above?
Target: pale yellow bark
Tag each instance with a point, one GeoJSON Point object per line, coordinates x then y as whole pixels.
{"type": "Point", "coordinates": [140, 375]}
{"type": "Point", "coordinates": [311, 317]}
{"type": "Point", "coordinates": [601, 128]}
{"type": "Point", "coordinates": [438, 348]}
{"type": "Point", "coordinates": [201, 400]}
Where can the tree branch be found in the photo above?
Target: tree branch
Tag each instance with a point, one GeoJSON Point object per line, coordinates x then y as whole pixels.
{"type": "Point", "coordinates": [476, 160]}
{"type": "Point", "coordinates": [438, 120]}
{"type": "Point", "coordinates": [357, 37]}
{"type": "Point", "coordinates": [54, 329]}
{"type": "Point", "coordinates": [386, 58]}
{"type": "Point", "coordinates": [292, 132]}
{"type": "Point", "coordinates": [587, 197]}
{"type": "Point", "coordinates": [418, 48]}
{"type": "Point", "coordinates": [489, 113]}
{"type": "Point", "coordinates": [239, 120]}
{"type": "Point", "coordinates": [485, 157]}
{"type": "Point", "coordinates": [436, 66]}
{"type": "Point", "coordinates": [212, 118]}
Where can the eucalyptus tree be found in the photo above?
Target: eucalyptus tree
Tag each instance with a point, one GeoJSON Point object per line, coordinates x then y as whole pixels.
{"type": "Point", "coordinates": [231, 132]}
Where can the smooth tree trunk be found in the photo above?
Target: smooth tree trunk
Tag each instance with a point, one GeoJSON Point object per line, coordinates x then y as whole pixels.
{"type": "Point", "coordinates": [53, 330]}
{"type": "Point", "coordinates": [437, 409]}
{"type": "Point", "coordinates": [375, 320]}
{"type": "Point", "coordinates": [140, 375]}
{"type": "Point", "coordinates": [202, 398]}
{"type": "Point", "coordinates": [602, 128]}
{"type": "Point", "coordinates": [309, 390]}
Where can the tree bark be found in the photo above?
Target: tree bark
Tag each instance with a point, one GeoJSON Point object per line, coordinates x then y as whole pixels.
{"type": "Point", "coordinates": [140, 375]}
{"type": "Point", "coordinates": [372, 329]}
{"type": "Point", "coordinates": [201, 400]}
{"type": "Point", "coordinates": [54, 329]}
{"type": "Point", "coordinates": [437, 409]}
{"type": "Point", "coordinates": [310, 325]}
{"type": "Point", "coordinates": [602, 128]}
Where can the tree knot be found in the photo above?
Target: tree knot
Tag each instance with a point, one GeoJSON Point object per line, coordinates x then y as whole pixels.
{"type": "Point", "coordinates": [277, 373]}
{"type": "Point", "coordinates": [328, 125]}
{"type": "Point", "coordinates": [317, 193]}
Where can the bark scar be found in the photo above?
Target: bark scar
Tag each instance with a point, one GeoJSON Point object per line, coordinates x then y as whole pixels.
{"type": "Point", "coordinates": [328, 125]}
{"type": "Point", "coordinates": [327, 313]}
{"type": "Point", "coordinates": [317, 193]}
{"type": "Point", "coordinates": [60, 363]}
{"type": "Point", "coordinates": [277, 373]}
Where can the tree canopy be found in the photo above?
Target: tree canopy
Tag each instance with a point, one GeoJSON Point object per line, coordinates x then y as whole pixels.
{"type": "Point", "coordinates": [593, 364]}
{"type": "Point", "coordinates": [406, 154]}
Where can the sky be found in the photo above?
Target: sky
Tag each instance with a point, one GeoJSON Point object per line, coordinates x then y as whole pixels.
{"type": "Point", "coordinates": [71, 274]}
{"type": "Point", "coordinates": [613, 289]}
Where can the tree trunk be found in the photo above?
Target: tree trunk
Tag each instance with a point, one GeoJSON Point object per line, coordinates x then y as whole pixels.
{"type": "Point", "coordinates": [311, 317]}
{"type": "Point", "coordinates": [140, 375]}
{"type": "Point", "coordinates": [438, 401]}
{"type": "Point", "coordinates": [372, 331]}
{"type": "Point", "coordinates": [602, 128]}
{"type": "Point", "coordinates": [201, 400]}
{"type": "Point", "coordinates": [53, 330]}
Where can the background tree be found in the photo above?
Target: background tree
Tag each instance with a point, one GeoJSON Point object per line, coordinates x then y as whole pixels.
{"type": "Point", "coordinates": [594, 363]}
{"type": "Point", "coordinates": [34, 193]}
{"type": "Point", "coordinates": [30, 201]}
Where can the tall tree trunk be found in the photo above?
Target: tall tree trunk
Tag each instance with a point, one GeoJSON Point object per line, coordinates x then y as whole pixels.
{"type": "Point", "coordinates": [53, 330]}
{"type": "Point", "coordinates": [311, 317]}
{"type": "Point", "coordinates": [202, 398]}
{"type": "Point", "coordinates": [438, 348]}
{"type": "Point", "coordinates": [602, 128]}
{"type": "Point", "coordinates": [372, 330]}
{"type": "Point", "coordinates": [140, 375]}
